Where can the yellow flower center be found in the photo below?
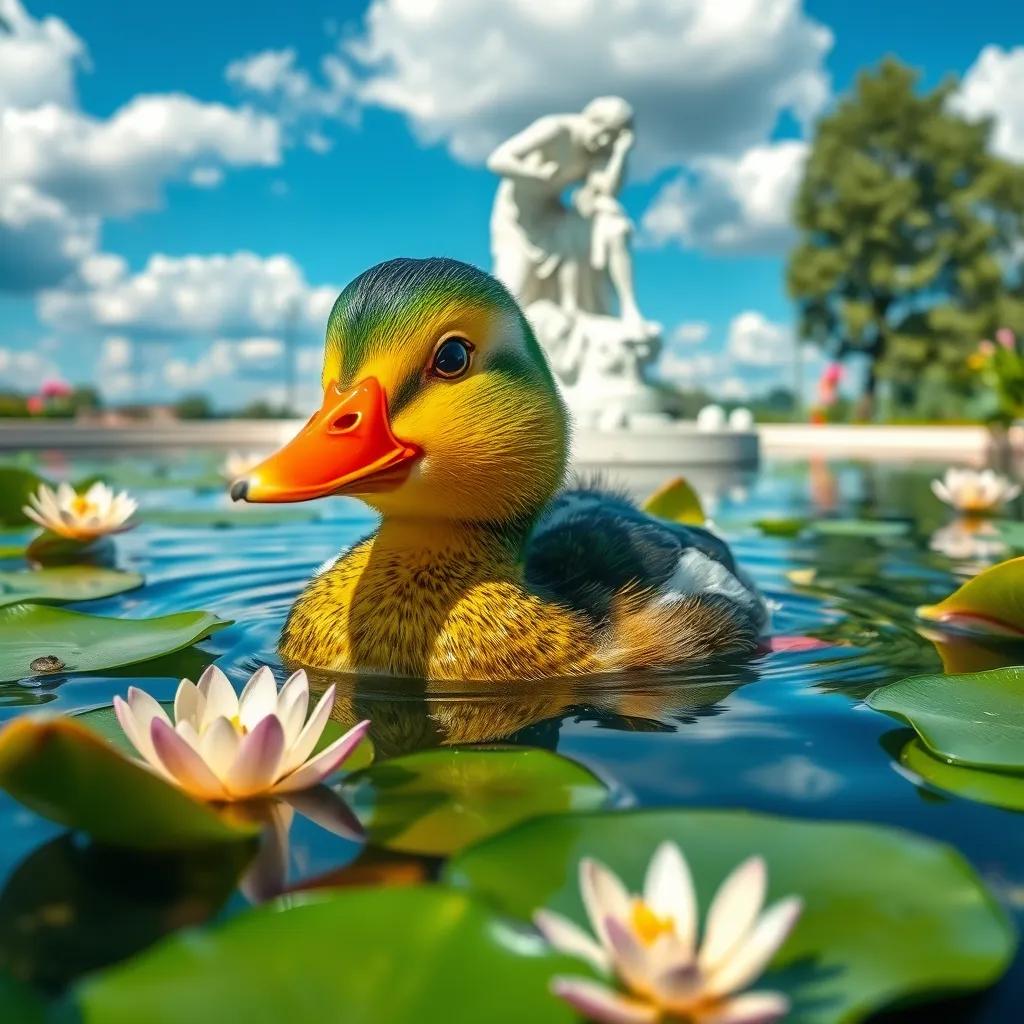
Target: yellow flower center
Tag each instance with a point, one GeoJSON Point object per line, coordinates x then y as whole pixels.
{"type": "Point", "coordinates": [648, 925]}
{"type": "Point", "coordinates": [82, 506]}
{"type": "Point", "coordinates": [237, 723]}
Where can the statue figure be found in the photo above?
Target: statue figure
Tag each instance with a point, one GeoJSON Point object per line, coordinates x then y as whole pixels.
{"type": "Point", "coordinates": [569, 263]}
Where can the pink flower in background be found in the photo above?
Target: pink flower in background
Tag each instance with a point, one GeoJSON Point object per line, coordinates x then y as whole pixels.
{"type": "Point", "coordinates": [986, 347]}
{"type": "Point", "coordinates": [832, 374]}
{"type": "Point", "coordinates": [55, 388]}
{"type": "Point", "coordinates": [35, 405]}
{"type": "Point", "coordinates": [1006, 338]}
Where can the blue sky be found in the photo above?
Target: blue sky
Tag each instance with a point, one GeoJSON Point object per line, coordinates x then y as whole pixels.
{"type": "Point", "coordinates": [339, 168]}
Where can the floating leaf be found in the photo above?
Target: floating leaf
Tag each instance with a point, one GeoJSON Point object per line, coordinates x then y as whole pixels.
{"type": "Point", "coordinates": [991, 603]}
{"type": "Point", "coordinates": [50, 548]}
{"type": "Point", "coordinates": [67, 773]}
{"type": "Point", "coordinates": [387, 956]}
{"type": "Point", "coordinates": [112, 904]}
{"type": "Point", "coordinates": [782, 527]}
{"type": "Point", "coordinates": [1011, 531]}
{"type": "Point", "coordinates": [19, 1004]}
{"type": "Point", "coordinates": [103, 721]}
{"type": "Point", "coordinates": [1000, 789]}
{"type": "Point", "coordinates": [91, 643]}
{"type": "Point", "coordinates": [16, 484]}
{"type": "Point", "coordinates": [975, 719]}
{"type": "Point", "coordinates": [60, 585]}
{"type": "Point", "coordinates": [438, 801]}
{"type": "Point", "coordinates": [888, 916]}
{"type": "Point", "coordinates": [678, 501]}
{"type": "Point", "coordinates": [878, 529]}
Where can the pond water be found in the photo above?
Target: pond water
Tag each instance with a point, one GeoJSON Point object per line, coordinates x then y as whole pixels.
{"type": "Point", "coordinates": [784, 732]}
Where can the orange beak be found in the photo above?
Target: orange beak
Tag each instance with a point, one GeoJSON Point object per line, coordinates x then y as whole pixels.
{"type": "Point", "coordinates": [346, 447]}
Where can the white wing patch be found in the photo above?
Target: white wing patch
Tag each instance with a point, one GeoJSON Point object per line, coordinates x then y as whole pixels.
{"type": "Point", "coordinates": [696, 574]}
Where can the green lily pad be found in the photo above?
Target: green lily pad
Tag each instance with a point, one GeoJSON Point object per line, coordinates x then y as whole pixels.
{"type": "Point", "coordinates": [678, 501]}
{"type": "Point", "coordinates": [112, 903]}
{"type": "Point", "coordinates": [782, 527]}
{"type": "Point", "coordinates": [68, 583]}
{"type": "Point", "coordinates": [888, 916]}
{"type": "Point", "coordinates": [999, 789]}
{"type": "Point", "coordinates": [1011, 531]}
{"type": "Point", "coordinates": [103, 721]}
{"type": "Point", "coordinates": [20, 1004]}
{"type": "Point", "coordinates": [91, 643]}
{"type": "Point", "coordinates": [49, 548]}
{"type": "Point", "coordinates": [974, 719]}
{"type": "Point", "coordinates": [991, 603]}
{"type": "Point", "coordinates": [878, 529]}
{"type": "Point", "coordinates": [67, 773]}
{"type": "Point", "coordinates": [16, 484]}
{"type": "Point", "coordinates": [438, 801]}
{"type": "Point", "coordinates": [364, 956]}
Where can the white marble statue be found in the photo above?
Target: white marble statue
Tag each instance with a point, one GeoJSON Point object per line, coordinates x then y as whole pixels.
{"type": "Point", "coordinates": [569, 263]}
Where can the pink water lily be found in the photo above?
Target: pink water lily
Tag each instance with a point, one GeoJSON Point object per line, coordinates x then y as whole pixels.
{"type": "Point", "coordinates": [226, 746]}
{"type": "Point", "coordinates": [649, 944]}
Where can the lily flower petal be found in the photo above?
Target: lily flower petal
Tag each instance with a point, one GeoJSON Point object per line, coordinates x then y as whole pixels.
{"type": "Point", "coordinates": [669, 892]}
{"type": "Point", "coordinates": [188, 702]}
{"type": "Point", "coordinates": [749, 1008]}
{"type": "Point", "coordinates": [604, 896]}
{"type": "Point", "coordinates": [218, 746]}
{"type": "Point", "coordinates": [259, 756]}
{"type": "Point", "coordinates": [314, 771]}
{"type": "Point", "coordinates": [597, 1002]}
{"type": "Point", "coordinates": [183, 762]}
{"type": "Point", "coordinates": [259, 698]}
{"type": "Point", "coordinates": [221, 699]}
{"type": "Point", "coordinates": [733, 912]}
{"type": "Point", "coordinates": [310, 733]}
{"type": "Point", "coordinates": [567, 937]}
{"type": "Point", "coordinates": [757, 950]}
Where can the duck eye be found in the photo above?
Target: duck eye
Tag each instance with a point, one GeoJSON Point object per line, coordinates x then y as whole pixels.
{"type": "Point", "coordinates": [452, 358]}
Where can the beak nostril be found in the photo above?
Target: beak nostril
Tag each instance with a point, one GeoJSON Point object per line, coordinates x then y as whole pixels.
{"type": "Point", "coordinates": [348, 421]}
{"type": "Point", "coordinates": [239, 490]}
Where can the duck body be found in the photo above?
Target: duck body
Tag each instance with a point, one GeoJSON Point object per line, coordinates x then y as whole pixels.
{"type": "Point", "coordinates": [441, 413]}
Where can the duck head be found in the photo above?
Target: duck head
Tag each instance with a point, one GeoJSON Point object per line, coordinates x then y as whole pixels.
{"type": "Point", "coordinates": [438, 402]}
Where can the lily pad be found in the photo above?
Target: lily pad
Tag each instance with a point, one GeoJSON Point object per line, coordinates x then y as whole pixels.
{"type": "Point", "coordinates": [782, 527]}
{"type": "Point", "coordinates": [438, 801]}
{"type": "Point", "coordinates": [974, 719]}
{"type": "Point", "coordinates": [67, 773]}
{"type": "Point", "coordinates": [888, 916]}
{"type": "Point", "coordinates": [999, 789]}
{"type": "Point", "coordinates": [877, 529]}
{"type": "Point", "coordinates": [365, 956]}
{"type": "Point", "coordinates": [91, 643]}
{"type": "Point", "coordinates": [68, 583]}
{"type": "Point", "coordinates": [113, 903]}
{"type": "Point", "coordinates": [678, 501]}
{"type": "Point", "coordinates": [49, 548]}
{"type": "Point", "coordinates": [16, 484]}
{"type": "Point", "coordinates": [991, 603]}
{"type": "Point", "coordinates": [103, 721]}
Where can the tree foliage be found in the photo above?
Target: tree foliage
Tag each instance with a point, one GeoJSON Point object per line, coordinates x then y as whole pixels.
{"type": "Point", "coordinates": [911, 234]}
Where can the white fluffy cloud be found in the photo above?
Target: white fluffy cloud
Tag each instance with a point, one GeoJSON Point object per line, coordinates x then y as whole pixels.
{"type": "Point", "coordinates": [705, 77]}
{"type": "Point", "coordinates": [994, 87]}
{"type": "Point", "coordinates": [235, 296]}
{"type": "Point", "coordinates": [25, 369]}
{"type": "Point", "coordinates": [272, 78]}
{"type": "Point", "coordinates": [64, 171]}
{"type": "Point", "coordinates": [754, 340]}
{"type": "Point", "coordinates": [37, 58]}
{"type": "Point", "coordinates": [691, 332]}
{"type": "Point", "coordinates": [731, 205]}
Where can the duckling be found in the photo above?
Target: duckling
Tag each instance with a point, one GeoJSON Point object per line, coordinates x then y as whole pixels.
{"type": "Point", "coordinates": [441, 413]}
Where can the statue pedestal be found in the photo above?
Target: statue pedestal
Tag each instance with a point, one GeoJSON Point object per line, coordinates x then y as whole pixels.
{"type": "Point", "coordinates": [599, 362]}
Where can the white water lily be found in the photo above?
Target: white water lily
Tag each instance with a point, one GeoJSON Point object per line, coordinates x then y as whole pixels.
{"type": "Point", "coordinates": [225, 746]}
{"type": "Point", "coordinates": [649, 943]}
{"type": "Point", "coordinates": [972, 490]}
{"type": "Point", "coordinates": [239, 464]}
{"type": "Point", "coordinates": [95, 513]}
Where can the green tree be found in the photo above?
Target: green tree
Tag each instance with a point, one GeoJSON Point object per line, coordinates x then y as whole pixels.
{"type": "Point", "coordinates": [911, 235]}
